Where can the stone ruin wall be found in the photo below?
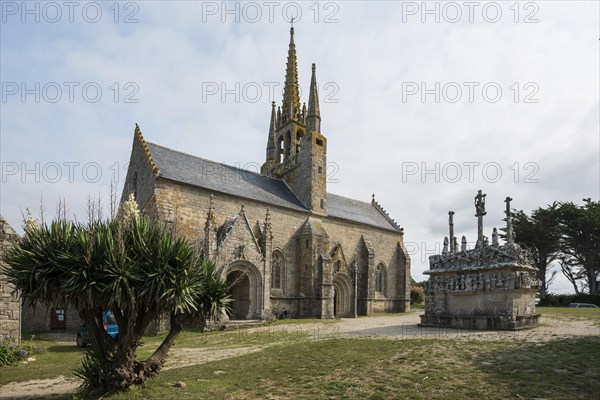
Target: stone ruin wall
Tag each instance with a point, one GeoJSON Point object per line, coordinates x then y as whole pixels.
{"type": "Point", "coordinates": [10, 307]}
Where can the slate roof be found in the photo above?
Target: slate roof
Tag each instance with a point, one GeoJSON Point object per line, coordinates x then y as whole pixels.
{"type": "Point", "coordinates": [196, 171]}
{"type": "Point", "coordinates": [357, 211]}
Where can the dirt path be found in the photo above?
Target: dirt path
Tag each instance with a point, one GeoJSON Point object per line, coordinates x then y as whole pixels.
{"type": "Point", "coordinates": [39, 388]}
{"type": "Point", "coordinates": [397, 327]}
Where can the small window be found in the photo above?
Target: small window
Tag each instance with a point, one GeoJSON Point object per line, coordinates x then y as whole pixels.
{"type": "Point", "coordinates": [319, 142]}
{"type": "Point", "coordinates": [320, 169]}
{"type": "Point", "coordinates": [322, 204]}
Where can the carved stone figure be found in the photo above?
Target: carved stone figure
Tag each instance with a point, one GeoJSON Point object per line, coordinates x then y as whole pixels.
{"type": "Point", "coordinates": [480, 204]}
{"type": "Point", "coordinates": [495, 237]}
{"type": "Point", "coordinates": [510, 281]}
{"type": "Point", "coordinates": [463, 243]}
{"type": "Point", "coordinates": [445, 250]}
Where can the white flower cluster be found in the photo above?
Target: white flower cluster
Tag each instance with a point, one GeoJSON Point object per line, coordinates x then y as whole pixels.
{"type": "Point", "coordinates": [28, 221]}
{"type": "Point", "coordinates": [130, 208]}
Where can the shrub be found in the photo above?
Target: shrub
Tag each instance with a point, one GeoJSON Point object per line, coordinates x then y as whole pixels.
{"type": "Point", "coordinates": [557, 300]}
{"type": "Point", "coordinates": [11, 353]}
{"type": "Point", "coordinates": [563, 300]}
{"type": "Point", "coordinates": [417, 295]}
{"type": "Point", "coordinates": [587, 298]}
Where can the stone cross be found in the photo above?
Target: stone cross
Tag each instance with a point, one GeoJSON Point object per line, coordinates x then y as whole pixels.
{"type": "Point", "coordinates": [451, 226]}
{"type": "Point", "coordinates": [479, 213]}
{"type": "Point", "coordinates": [510, 234]}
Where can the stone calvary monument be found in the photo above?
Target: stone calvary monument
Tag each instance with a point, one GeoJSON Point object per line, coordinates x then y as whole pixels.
{"type": "Point", "coordinates": [492, 286]}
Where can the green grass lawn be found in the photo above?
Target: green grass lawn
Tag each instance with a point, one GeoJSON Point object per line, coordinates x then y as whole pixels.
{"type": "Point", "coordinates": [292, 364]}
{"type": "Point", "coordinates": [564, 313]}
{"type": "Point", "coordinates": [59, 358]}
{"type": "Point", "coordinates": [384, 369]}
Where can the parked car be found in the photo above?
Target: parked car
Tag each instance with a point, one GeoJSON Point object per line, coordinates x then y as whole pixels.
{"type": "Point", "coordinates": [110, 326]}
{"type": "Point", "coordinates": [583, 305]}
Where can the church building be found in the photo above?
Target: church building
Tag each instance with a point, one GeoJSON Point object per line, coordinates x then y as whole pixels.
{"type": "Point", "coordinates": [280, 239]}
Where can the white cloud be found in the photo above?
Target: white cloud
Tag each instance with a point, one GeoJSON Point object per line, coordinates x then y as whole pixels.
{"type": "Point", "coordinates": [171, 55]}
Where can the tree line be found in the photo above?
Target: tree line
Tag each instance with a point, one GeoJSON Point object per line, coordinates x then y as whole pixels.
{"type": "Point", "coordinates": [565, 237]}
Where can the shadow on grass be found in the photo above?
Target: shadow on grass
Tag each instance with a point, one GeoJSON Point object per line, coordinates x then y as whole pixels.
{"type": "Point", "coordinates": [565, 368]}
{"type": "Point", "coordinates": [65, 349]}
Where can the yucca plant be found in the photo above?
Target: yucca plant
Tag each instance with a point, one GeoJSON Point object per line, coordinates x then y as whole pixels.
{"type": "Point", "coordinates": [133, 266]}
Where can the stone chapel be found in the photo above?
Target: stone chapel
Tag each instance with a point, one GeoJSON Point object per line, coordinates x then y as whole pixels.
{"type": "Point", "coordinates": [281, 240]}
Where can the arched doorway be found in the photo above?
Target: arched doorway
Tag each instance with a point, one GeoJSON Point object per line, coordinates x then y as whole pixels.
{"type": "Point", "coordinates": [245, 288]}
{"type": "Point", "coordinates": [342, 306]}
{"type": "Point", "coordinates": [239, 290]}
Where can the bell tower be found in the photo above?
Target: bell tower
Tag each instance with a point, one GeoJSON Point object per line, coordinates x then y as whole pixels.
{"type": "Point", "coordinates": [296, 149]}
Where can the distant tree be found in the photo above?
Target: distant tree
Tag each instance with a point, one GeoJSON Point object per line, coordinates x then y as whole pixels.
{"type": "Point", "coordinates": [132, 266]}
{"type": "Point", "coordinates": [417, 295]}
{"type": "Point", "coordinates": [580, 244]}
{"type": "Point", "coordinates": [414, 283]}
{"type": "Point", "coordinates": [541, 236]}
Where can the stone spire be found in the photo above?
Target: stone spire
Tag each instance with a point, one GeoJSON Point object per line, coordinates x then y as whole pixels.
{"type": "Point", "coordinates": [271, 156]}
{"type": "Point", "coordinates": [291, 97]}
{"type": "Point", "coordinates": [210, 232]}
{"type": "Point", "coordinates": [266, 231]}
{"type": "Point", "coordinates": [313, 119]}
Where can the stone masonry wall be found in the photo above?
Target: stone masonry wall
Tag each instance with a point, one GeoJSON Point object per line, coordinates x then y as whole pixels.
{"type": "Point", "coordinates": [10, 306]}
{"type": "Point", "coordinates": [186, 206]}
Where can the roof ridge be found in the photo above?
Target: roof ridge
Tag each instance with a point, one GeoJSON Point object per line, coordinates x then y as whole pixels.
{"type": "Point", "coordinates": [144, 144]}
{"type": "Point", "coordinates": [216, 162]}
{"type": "Point", "coordinates": [385, 214]}
{"type": "Point", "coordinates": [349, 198]}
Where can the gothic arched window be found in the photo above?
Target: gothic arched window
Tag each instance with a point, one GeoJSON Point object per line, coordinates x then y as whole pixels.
{"type": "Point", "coordinates": [288, 143]}
{"type": "Point", "coordinates": [380, 278]}
{"type": "Point", "coordinates": [280, 149]}
{"type": "Point", "coordinates": [299, 135]}
{"type": "Point", "coordinates": [277, 269]}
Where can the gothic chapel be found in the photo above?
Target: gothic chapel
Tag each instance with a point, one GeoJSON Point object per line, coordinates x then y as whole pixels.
{"type": "Point", "coordinates": [280, 239]}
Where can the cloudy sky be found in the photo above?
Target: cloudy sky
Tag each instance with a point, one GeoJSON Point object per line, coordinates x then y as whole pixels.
{"type": "Point", "coordinates": [422, 103]}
